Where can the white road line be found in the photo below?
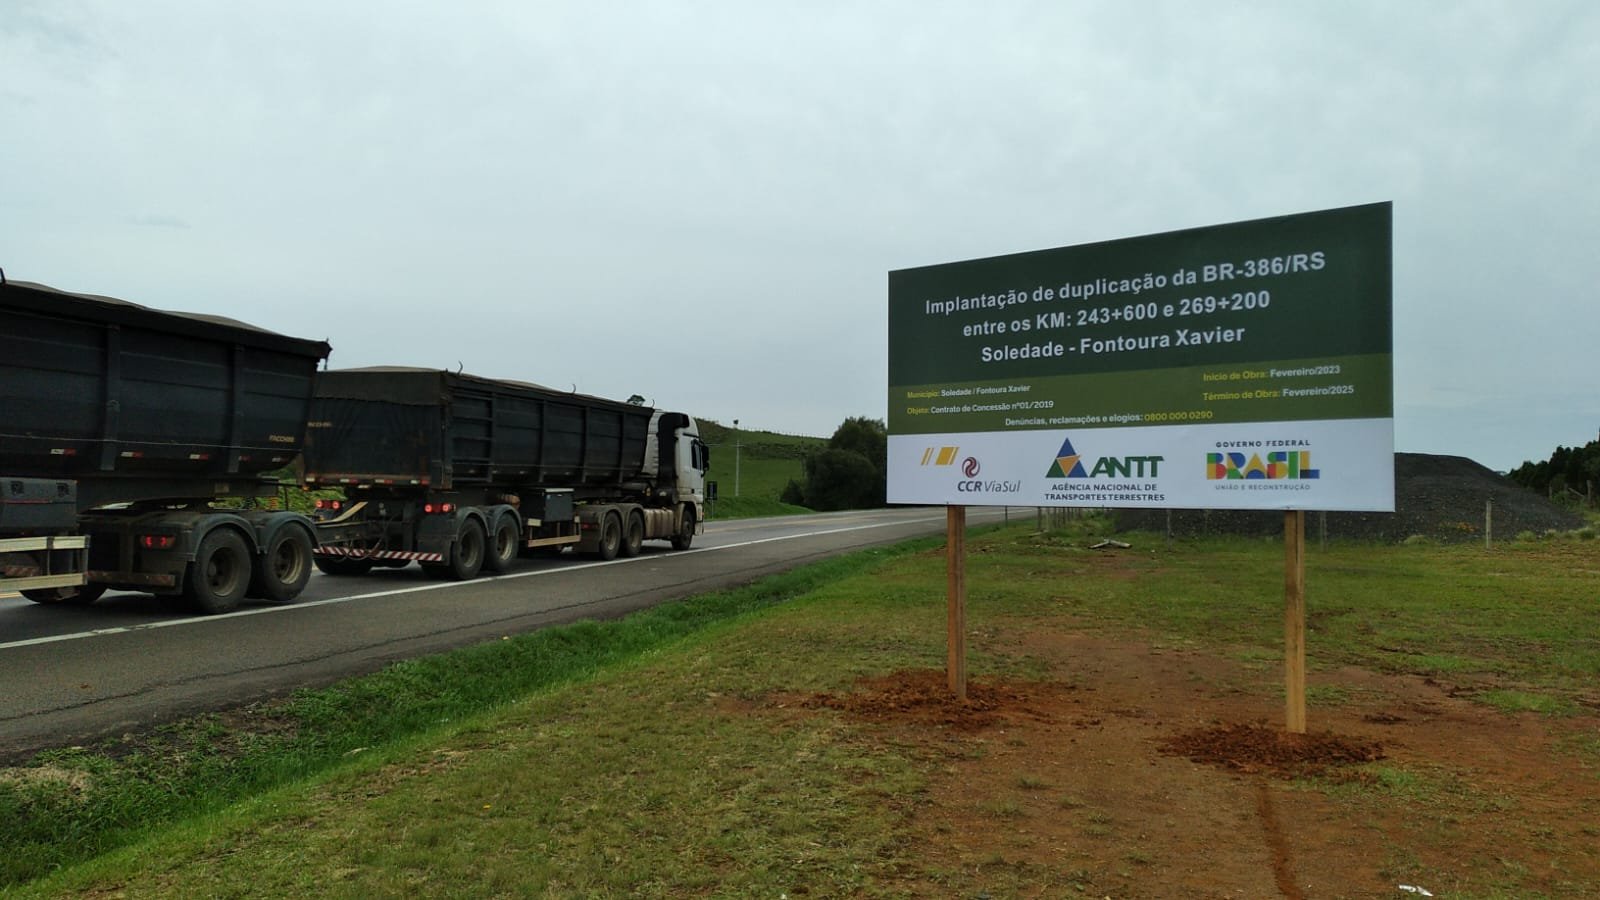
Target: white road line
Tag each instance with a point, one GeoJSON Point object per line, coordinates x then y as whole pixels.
{"type": "Point", "coordinates": [288, 607]}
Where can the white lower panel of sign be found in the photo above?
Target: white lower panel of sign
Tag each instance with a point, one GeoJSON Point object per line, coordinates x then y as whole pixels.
{"type": "Point", "coordinates": [1344, 464]}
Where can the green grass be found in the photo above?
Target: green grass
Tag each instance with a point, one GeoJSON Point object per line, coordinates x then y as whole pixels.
{"type": "Point", "coordinates": [1520, 612]}
{"type": "Point", "coordinates": [70, 805]}
{"type": "Point", "coordinates": [751, 478]}
{"type": "Point", "coordinates": [653, 756]}
{"type": "Point", "coordinates": [750, 507]}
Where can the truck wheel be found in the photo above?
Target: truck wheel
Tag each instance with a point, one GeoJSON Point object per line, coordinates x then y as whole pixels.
{"type": "Point", "coordinates": [610, 537]}
{"type": "Point", "coordinates": [343, 565]}
{"type": "Point", "coordinates": [466, 557]}
{"type": "Point", "coordinates": [503, 549]}
{"type": "Point", "coordinates": [285, 567]}
{"type": "Point", "coordinates": [220, 573]}
{"type": "Point", "coordinates": [685, 535]}
{"type": "Point", "coordinates": [66, 596]}
{"type": "Point", "coordinates": [633, 538]}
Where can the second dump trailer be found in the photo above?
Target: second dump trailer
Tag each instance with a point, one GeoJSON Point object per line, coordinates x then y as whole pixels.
{"type": "Point", "coordinates": [462, 474]}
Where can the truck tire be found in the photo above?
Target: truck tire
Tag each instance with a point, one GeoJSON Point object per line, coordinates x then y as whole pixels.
{"type": "Point", "coordinates": [220, 574]}
{"type": "Point", "coordinates": [343, 565]}
{"type": "Point", "coordinates": [503, 546]}
{"type": "Point", "coordinates": [610, 537]}
{"type": "Point", "coordinates": [66, 596]}
{"type": "Point", "coordinates": [466, 556]}
{"type": "Point", "coordinates": [285, 566]}
{"type": "Point", "coordinates": [685, 535]}
{"type": "Point", "coordinates": [633, 535]}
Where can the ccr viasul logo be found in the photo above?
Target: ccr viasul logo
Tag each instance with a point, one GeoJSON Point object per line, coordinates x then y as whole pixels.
{"type": "Point", "coordinates": [946, 456]}
{"type": "Point", "coordinates": [969, 468]}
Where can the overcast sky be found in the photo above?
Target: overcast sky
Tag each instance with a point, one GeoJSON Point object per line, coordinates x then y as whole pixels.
{"type": "Point", "coordinates": [699, 202]}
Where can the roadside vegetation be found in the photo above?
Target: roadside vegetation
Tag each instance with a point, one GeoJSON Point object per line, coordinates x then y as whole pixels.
{"type": "Point", "coordinates": [783, 474]}
{"type": "Point", "coordinates": [1568, 477]}
{"type": "Point", "coordinates": [851, 472]}
{"type": "Point", "coordinates": [64, 806]}
{"type": "Point", "coordinates": [674, 753]}
{"type": "Point", "coordinates": [766, 461]}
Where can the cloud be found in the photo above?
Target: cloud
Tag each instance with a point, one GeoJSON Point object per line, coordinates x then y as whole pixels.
{"type": "Point", "coordinates": [712, 193]}
{"type": "Point", "coordinates": [157, 220]}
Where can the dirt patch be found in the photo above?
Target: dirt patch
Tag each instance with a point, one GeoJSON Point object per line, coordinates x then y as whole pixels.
{"type": "Point", "coordinates": [1271, 751]}
{"type": "Point", "coordinates": [1134, 771]}
{"type": "Point", "coordinates": [47, 777]}
{"type": "Point", "coordinates": [925, 697]}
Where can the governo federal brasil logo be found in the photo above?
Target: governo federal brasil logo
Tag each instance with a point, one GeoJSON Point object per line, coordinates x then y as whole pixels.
{"type": "Point", "coordinates": [1070, 464]}
{"type": "Point", "coordinates": [1279, 465]}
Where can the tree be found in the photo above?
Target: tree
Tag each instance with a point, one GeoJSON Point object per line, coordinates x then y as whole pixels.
{"type": "Point", "coordinates": [852, 472]}
{"type": "Point", "coordinates": [868, 437]}
{"type": "Point", "coordinates": [1573, 468]}
{"type": "Point", "coordinates": [842, 479]}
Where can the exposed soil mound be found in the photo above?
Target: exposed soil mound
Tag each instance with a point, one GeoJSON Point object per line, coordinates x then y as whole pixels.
{"type": "Point", "coordinates": [923, 697]}
{"type": "Point", "coordinates": [1078, 780]}
{"type": "Point", "coordinates": [1438, 497]}
{"type": "Point", "coordinates": [1255, 748]}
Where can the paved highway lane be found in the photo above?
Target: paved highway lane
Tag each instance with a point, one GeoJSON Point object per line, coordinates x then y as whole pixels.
{"type": "Point", "coordinates": [69, 675]}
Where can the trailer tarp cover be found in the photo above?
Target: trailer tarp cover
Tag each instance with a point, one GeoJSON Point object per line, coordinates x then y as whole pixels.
{"type": "Point", "coordinates": [100, 389]}
{"type": "Point", "coordinates": [451, 430]}
{"type": "Point", "coordinates": [46, 300]}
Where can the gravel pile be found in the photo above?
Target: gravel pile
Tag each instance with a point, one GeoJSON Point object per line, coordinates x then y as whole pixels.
{"type": "Point", "coordinates": [1438, 497]}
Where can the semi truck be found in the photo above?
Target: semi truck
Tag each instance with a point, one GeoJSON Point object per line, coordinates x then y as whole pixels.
{"type": "Point", "coordinates": [136, 446]}
{"type": "Point", "coordinates": [121, 429]}
{"type": "Point", "coordinates": [463, 474]}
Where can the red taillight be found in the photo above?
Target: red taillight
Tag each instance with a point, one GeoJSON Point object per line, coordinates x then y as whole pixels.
{"type": "Point", "coordinates": [157, 541]}
{"type": "Point", "coordinates": [334, 505]}
{"type": "Point", "coordinates": [432, 508]}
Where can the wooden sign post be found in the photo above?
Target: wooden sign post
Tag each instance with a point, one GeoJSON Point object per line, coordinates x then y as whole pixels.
{"type": "Point", "coordinates": [956, 599]}
{"type": "Point", "coordinates": [1294, 621]}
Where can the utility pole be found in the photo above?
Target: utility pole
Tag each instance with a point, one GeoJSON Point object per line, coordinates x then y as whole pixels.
{"type": "Point", "coordinates": [736, 446]}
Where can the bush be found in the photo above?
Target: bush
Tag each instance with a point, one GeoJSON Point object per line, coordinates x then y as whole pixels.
{"type": "Point", "coordinates": [792, 494]}
{"type": "Point", "coordinates": [842, 479]}
{"type": "Point", "coordinates": [851, 474]}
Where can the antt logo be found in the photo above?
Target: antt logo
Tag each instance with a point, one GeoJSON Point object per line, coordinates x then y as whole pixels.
{"type": "Point", "coordinates": [1069, 464]}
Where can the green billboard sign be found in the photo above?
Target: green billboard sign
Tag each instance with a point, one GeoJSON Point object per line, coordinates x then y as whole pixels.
{"type": "Point", "coordinates": [1272, 321]}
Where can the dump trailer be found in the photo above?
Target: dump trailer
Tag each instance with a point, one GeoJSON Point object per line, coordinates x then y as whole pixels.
{"type": "Point", "coordinates": [462, 474]}
{"type": "Point", "coordinates": [127, 433]}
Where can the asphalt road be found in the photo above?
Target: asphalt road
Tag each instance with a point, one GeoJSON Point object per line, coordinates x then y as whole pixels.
{"type": "Point", "coordinates": [70, 675]}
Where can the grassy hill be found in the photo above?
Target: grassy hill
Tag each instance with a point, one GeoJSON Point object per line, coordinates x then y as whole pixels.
{"type": "Point", "coordinates": [765, 462]}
